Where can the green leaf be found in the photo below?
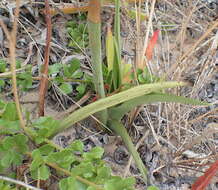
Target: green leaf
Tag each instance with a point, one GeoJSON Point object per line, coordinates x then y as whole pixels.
{"type": "Point", "coordinates": [120, 130]}
{"type": "Point", "coordinates": [55, 68]}
{"type": "Point", "coordinates": [2, 83]}
{"type": "Point", "coordinates": [118, 183]}
{"type": "Point", "coordinates": [152, 188]}
{"type": "Point", "coordinates": [84, 169]}
{"type": "Point", "coordinates": [46, 149]}
{"type": "Point", "coordinates": [10, 112]}
{"type": "Point", "coordinates": [25, 80]}
{"type": "Point", "coordinates": [41, 173]}
{"type": "Point", "coordinates": [46, 126]}
{"type": "Point", "coordinates": [118, 111]}
{"type": "Point", "coordinates": [81, 89]}
{"type": "Point", "coordinates": [7, 159]}
{"type": "Point", "coordinates": [21, 143]}
{"type": "Point", "coordinates": [77, 74]}
{"type": "Point", "coordinates": [18, 64]}
{"type": "Point", "coordinates": [3, 65]}
{"type": "Point", "coordinates": [66, 88]}
{"type": "Point", "coordinates": [71, 183]}
{"type": "Point", "coordinates": [63, 158]}
{"type": "Point", "coordinates": [113, 100]}
{"type": "Point", "coordinates": [44, 172]}
{"type": "Point", "coordinates": [8, 143]}
{"type": "Point", "coordinates": [110, 50]}
{"type": "Point", "coordinates": [37, 160]}
{"type": "Point", "coordinates": [74, 65]}
{"type": "Point", "coordinates": [9, 127]}
{"type": "Point", "coordinates": [11, 157]}
{"type": "Point", "coordinates": [76, 145]}
{"type": "Point", "coordinates": [103, 174]}
{"type": "Point", "coordinates": [95, 153]}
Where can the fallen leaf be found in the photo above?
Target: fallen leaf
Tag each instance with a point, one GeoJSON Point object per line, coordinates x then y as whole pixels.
{"type": "Point", "coordinates": [151, 44]}
{"type": "Point", "coordinates": [203, 181]}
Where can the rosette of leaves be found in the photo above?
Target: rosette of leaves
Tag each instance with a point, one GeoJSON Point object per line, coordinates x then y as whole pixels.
{"type": "Point", "coordinates": [78, 35]}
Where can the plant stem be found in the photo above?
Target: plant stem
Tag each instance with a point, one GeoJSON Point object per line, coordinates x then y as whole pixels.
{"type": "Point", "coordinates": [44, 80]}
{"type": "Point", "coordinates": [12, 50]}
{"type": "Point", "coordinates": [94, 27]}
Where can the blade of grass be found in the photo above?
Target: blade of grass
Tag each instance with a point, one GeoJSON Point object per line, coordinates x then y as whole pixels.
{"type": "Point", "coordinates": [119, 111]}
{"type": "Point", "coordinates": [120, 130]}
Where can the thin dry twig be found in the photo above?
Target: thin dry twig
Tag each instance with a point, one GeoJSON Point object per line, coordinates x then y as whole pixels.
{"type": "Point", "coordinates": [147, 34]}
{"type": "Point", "coordinates": [44, 81]}
{"type": "Point", "coordinates": [18, 183]}
{"type": "Point", "coordinates": [190, 51]}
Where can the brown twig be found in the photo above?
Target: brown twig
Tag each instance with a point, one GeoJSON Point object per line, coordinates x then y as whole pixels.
{"type": "Point", "coordinates": [44, 81]}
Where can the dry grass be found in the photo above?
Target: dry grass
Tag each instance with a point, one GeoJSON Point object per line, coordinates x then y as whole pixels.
{"type": "Point", "coordinates": [186, 51]}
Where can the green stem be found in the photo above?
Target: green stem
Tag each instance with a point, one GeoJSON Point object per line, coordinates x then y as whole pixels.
{"type": "Point", "coordinates": [94, 28]}
{"type": "Point", "coordinates": [120, 130]}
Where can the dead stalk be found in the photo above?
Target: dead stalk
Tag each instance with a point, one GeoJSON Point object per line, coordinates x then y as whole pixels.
{"type": "Point", "coordinates": [44, 80]}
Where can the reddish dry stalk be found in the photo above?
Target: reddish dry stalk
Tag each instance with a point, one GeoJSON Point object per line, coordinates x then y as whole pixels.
{"type": "Point", "coordinates": [44, 80]}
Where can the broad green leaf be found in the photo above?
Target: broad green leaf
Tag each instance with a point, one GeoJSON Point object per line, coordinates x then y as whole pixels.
{"type": "Point", "coordinates": [25, 80]}
{"type": "Point", "coordinates": [20, 141]}
{"type": "Point", "coordinates": [71, 183]}
{"type": "Point", "coordinates": [46, 126]}
{"type": "Point", "coordinates": [18, 64]}
{"type": "Point", "coordinates": [46, 149]}
{"type": "Point", "coordinates": [76, 145]}
{"type": "Point", "coordinates": [9, 127]}
{"type": "Point", "coordinates": [94, 153]}
{"type": "Point", "coordinates": [84, 169]}
{"type": "Point", "coordinates": [11, 157]}
{"type": "Point", "coordinates": [44, 172]}
{"type": "Point", "coordinates": [10, 112]}
{"type": "Point", "coordinates": [103, 174]}
{"type": "Point", "coordinates": [74, 65]}
{"type": "Point", "coordinates": [64, 158]}
{"type": "Point", "coordinates": [8, 143]}
{"type": "Point", "coordinates": [66, 88]}
{"type": "Point", "coordinates": [55, 68]}
{"type": "Point", "coordinates": [7, 159]}
{"type": "Point", "coordinates": [37, 160]}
